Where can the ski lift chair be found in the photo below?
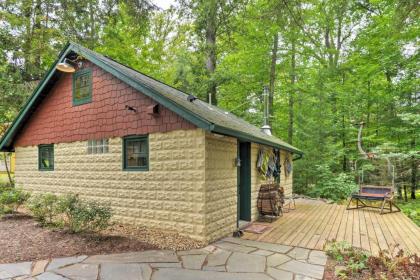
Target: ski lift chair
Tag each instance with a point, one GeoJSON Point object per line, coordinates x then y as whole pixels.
{"type": "Point", "coordinates": [376, 183]}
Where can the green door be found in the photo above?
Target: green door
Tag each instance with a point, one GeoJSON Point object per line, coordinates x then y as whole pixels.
{"type": "Point", "coordinates": [244, 181]}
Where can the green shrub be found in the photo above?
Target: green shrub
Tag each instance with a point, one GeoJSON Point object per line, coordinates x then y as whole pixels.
{"type": "Point", "coordinates": [44, 208]}
{"type": "Point", "coordinates": [333, 186]}
{"type": "Point", "coordinates": [84, 216]}
{"type": "Point", "coordinates": [11, 199]}
{"type": "Point", "coordinates": [353, 258]}
{"type": "Point", "coordinates": [69, 211]}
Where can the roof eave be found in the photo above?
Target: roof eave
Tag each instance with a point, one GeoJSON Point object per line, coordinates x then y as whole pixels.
{"type": "Point", "coordinates": [252, 138]}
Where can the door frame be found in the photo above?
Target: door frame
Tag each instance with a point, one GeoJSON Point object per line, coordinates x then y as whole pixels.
{"type": "Point", "coordinates": [244, 181]}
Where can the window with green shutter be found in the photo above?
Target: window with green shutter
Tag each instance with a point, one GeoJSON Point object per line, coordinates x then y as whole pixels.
{"type": "Point", "coordinates": [136, 153]}
{"type": "Point", "coordinates": [82, 86]}
{"type": "Point", "coordinates": [46, 157]}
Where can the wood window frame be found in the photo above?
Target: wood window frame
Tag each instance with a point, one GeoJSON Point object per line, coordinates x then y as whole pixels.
{"type": "Point", "coordinates": [131, 138]}
{"type": "Point", "coordinates": [83, 72]}
{"type": "Point", "coordinates": [40, 165]}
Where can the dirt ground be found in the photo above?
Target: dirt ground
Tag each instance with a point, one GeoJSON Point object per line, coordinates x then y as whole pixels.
{"type": "Point", "coordinates": [22, 239]}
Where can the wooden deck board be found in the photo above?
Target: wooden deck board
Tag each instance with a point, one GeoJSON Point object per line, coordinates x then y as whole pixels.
{"type": "Point", "coordinates": [313, 223]}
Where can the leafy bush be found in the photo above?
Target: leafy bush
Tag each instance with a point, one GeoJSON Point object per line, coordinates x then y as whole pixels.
{"type": "Point", "coordinates": [11, 199]}
{"type": "Point", "coordinates": [84, 216]}
{"type": "Point", "coordinates": [71, 212]}
{"type": "Point", "coordinates": [5, 185]}
{"type": "Point", "coordinates": [360, 264]}
{"type": "Point", "coordinates": [343, 252]}
{"type": "Point", "coordinates": [411, 208]}
{"type": "Point", "coordinates": [333, 186]}
{"type": "Point", "coordinates": [44, 208]}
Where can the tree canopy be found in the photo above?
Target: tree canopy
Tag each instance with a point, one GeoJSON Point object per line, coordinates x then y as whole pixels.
{"type": "Point", "coordinates": [329, 65]}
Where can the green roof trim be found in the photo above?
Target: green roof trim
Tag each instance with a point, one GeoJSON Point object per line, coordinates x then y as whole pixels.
{"type": "Point", "coordinates": [199, 113]}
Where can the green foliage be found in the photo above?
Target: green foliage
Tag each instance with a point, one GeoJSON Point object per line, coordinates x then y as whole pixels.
{"type": "Point", "coordinates": [333, 186]}
{"type": "Point", "coordinates": [44, 208]}
{"type": "Point", "coordinates": [359, 264]}
{"type": "Point", "coordinates": [11, 199]}
{"type": "Point", "coordinates": [70, 212]}
{"type": "Point", "coordinates": [355, 259]}
{"type": "Point", "coordinates": [82, 216]}
{"type": "Point", "coordinates": [365, 68]}
{"type": "Point", "coordinates": [411, 208]}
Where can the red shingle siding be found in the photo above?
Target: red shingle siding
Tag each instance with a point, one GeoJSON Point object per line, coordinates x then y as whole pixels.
{"type": "Point", "coordinates": [56, 120]}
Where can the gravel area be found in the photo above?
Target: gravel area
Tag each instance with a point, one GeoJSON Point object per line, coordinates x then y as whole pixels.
{"type": "Point", "coordinates": [22, 239]}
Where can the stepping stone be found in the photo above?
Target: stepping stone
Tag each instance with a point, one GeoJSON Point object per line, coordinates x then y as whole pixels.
{"type": "Point", "coordinates": [39, 267]}
{"type": "Point", "coordinates": [277, 259]}
{"type": "Point", "coordinates": [303, 277]}
{"type": "Point", "coordinates": [80, 271]}
{"type": "Point", "coordinates": [60, 262]}
{"type": "Point", "coordinates": [261, 252]}
{"type": "Point", "coordinates": [311, 270]}
{"type": "Point", "coordinates": [24, 278]}
{"type": "Point", "coordinates": [279, 274]}
{"type": "Point", "coordinates": [234, 247]}
{"type": "Point", "coordinates": [15, 269]}
{"type": "Point", "coordinates": [220, 268]}
{"type": "Point", "coordinates": [185, 274]}
{"type": "Point", "coordinates": [162, 265]}
{"type": "Point", "coordinates": [202, 251]}
{"type": "Point", "coordinates": [240, 262]}
{"type": "Point", "coordinates": [317, 257]}
{"type": "Point", "coordinates": [299, 253]}
{"type": "Point", "coordinates": [193, 261]}
{"type": "Point", "coordinates": [50, 276]}
{"type": "Point", "coordinates": [278, 248]}
{"type": "Point", "coordinates": [131, 271]}
{"type": "Point", "coordinates": [218, 257]}
{"type": "Point", "coordinates": [152, 256]}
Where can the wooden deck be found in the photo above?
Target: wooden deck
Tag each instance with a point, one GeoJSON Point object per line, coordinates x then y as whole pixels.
{"type": "Point", "coordinates": [314, 222]}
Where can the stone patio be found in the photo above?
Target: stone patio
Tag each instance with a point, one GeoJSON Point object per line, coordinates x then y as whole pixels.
{"type": "Point", "coordinates": [228, 259]}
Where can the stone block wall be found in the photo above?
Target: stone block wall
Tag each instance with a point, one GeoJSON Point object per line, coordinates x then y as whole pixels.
{"type": "Point", "coordinates": [170, 196]}
{"type": "Point", "coordinates": [221, 186]}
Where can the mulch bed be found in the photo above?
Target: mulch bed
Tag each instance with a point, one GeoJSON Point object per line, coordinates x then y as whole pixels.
{"type": "Point", "coordinates": [22, 239]}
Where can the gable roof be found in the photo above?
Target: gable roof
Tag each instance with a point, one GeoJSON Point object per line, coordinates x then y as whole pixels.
{"type": "Point", "coordinates": [201, 114]}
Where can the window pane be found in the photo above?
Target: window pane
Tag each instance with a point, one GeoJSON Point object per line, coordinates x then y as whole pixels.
{"type": "Point", "coordinates": [99, 147]}
{"type": "Point", "coordinates": [105, 142]}
{"type": "Point", "coordinates": [46, 157]}
{"type": "Point", "coordinates": [89, 147]}
{"type": "Point", "coordinates": [82, 86]}
{"type": "Point", "coordinates": [136, 153]}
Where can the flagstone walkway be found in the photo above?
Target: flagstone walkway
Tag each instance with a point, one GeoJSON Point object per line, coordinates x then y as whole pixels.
{"type": "Point", "coordinates": [228, 259]}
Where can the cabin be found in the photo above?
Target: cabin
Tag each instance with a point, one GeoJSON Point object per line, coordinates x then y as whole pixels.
{"type": "Point", "coordinates": [158, 156]}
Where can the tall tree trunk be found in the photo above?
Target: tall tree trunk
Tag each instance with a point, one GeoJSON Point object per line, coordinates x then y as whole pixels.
{"type": "Point", "coordinates": [343, 141]}
{"type": "Point", "coordinates": [7, 169]}
{"type": "Point", "coordinates": [369, 104]}
{"type": "Point", "coordinates": [291, 94]}
{"type": "Point", "coordinates": [413, 170]}
{"type": "Point", "coordinates": [92, 24]}
{"type": "Point", "coordinates": [272, 76]}
{"type": "Point", "coordinates": [211, 51]}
